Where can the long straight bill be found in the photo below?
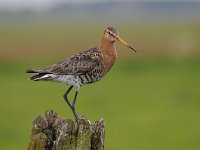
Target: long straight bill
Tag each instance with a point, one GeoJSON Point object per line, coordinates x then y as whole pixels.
{"type": "Point", "coordinates": [125, 43]}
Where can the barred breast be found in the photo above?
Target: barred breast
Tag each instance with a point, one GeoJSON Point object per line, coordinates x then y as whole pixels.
{"type": "Point", "coordinates": [92, 76]}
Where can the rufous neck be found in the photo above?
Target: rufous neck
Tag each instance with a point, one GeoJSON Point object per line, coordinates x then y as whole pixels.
{"type": "Point", "coordinates": [108, 47]}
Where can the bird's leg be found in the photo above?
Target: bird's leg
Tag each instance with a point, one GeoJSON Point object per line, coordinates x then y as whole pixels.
{"type": "Point", "coordinates": [73, 106]}
{"type": "Point", "coordinates": [65, 96]}
{"type": "Point", "coordinates": [74, 101]}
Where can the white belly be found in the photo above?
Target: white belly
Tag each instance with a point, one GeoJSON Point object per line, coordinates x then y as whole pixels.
{"type": "Point", "coordinates": [67, 79]}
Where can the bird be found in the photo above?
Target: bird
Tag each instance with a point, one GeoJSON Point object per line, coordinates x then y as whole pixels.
{"type": "Point", "coordinates": [85, 67]}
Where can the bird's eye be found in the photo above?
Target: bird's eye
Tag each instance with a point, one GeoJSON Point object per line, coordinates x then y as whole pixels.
{"type": "Point", "coordinates": [109, 32]}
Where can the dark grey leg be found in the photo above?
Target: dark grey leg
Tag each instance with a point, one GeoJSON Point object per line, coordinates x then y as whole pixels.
{"type": "Point", "coordinates": [74, 101]}
{"type": "Point", "coordinates": [72, 107]}
{"type": "Point", "coordinates": [65, 96]}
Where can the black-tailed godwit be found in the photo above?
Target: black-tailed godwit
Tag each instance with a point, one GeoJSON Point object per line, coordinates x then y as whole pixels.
{"type": "Point", "coordinates": [85, 67]}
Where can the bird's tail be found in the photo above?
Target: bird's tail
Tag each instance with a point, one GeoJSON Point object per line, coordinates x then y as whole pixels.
{"type": "Point", "coordinates": [31, 71]}
{"type": "Point", "coordinates": [38, 77]}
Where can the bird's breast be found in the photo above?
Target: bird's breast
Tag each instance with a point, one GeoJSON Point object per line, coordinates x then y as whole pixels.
{"type": "Point", "coordinates": [98, 72]}
{"type": "Point", "coordinates": [109, 61]}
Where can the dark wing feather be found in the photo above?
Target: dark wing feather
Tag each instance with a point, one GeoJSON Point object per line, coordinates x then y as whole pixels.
{"type": "Point", "coordinates": [76, 64]}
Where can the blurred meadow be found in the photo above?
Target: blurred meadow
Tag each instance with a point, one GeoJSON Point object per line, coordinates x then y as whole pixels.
{"type": "Point", "coordinates": [149, 99]}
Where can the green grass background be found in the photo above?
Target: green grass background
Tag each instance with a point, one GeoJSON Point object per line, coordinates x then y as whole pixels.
{"type": "Point", "coordinates": [149, 100]}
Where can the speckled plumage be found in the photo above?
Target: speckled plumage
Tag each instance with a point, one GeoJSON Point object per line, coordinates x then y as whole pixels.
{"type": "Point", "coordinates": [85, 67]}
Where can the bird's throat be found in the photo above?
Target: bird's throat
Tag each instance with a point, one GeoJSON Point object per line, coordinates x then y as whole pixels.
{"type": "Point", "coordinates": [108, 47]}
{"type": "Point", "coordinates": [109, 53]}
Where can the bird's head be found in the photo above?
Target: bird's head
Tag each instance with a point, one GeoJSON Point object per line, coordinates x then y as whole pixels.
{"type": "Point", "coordinates": [112, 35]}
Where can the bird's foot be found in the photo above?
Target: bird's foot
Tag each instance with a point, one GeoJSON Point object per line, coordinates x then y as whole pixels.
{"type": "Point", "coordinates": [77, 118]}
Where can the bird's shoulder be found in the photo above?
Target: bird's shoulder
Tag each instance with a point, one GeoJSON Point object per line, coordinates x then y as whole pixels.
{"type": "Point", "coordinates": [76, 64]}
{"type": "Point", "coordinates": [88, 56]}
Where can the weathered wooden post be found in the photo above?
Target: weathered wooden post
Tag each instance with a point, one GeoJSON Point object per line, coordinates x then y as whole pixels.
{"type": "Point", "coordinates": [52, 132]}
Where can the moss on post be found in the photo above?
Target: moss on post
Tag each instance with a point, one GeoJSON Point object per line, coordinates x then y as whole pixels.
{"type": "Point", "coordinates": [52, 132]}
